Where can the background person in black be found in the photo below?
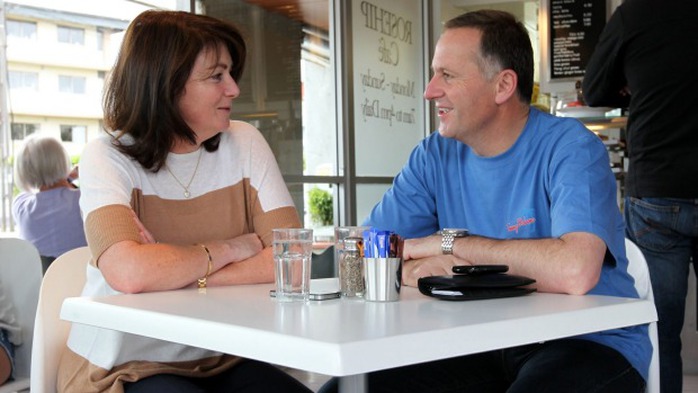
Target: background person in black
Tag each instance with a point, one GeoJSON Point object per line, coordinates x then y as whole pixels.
{"type": "Point", "coordinates": [646, 61]}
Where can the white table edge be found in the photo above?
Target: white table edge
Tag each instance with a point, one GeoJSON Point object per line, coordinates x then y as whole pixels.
{"type": "Point", "coordinates": [338, 356]}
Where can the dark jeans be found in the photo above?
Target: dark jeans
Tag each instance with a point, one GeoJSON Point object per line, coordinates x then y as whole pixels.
{"type": "Point", "coordinates": [247, 377]}
{"type": "Point", "coordinates": [666, 231]}
{"type": "Point", "coordinates": [569, 365]}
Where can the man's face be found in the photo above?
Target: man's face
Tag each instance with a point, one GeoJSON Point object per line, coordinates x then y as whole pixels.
{"type": "Point", "coordinates": [464, 98]}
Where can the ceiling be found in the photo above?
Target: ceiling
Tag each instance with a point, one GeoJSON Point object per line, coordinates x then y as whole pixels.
{"type": "Point", "coordinates": [311, 12]}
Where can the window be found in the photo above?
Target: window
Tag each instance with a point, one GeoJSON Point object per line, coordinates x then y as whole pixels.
{"type": "Point", "coordinates": [73, 133]}
{"type": "Point", "coordinates": [71, 35]}
{"type": "Point", "coordinates": [71, 84]}
{"type": "Point", "coordinates": [287, 92]}
{"type": "Point", "coordinates": [21, 29]}
{"type": "Point", "coordinates": [24, 80]}
{"type": "Point", "coordinates": [100, 40]}
{"type": "Point", "coordinates": [22, 130]}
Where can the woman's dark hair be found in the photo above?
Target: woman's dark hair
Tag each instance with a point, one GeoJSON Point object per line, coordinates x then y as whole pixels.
{"type": "Point", "coordinates": [505, 43]}
{"type": "Point", "coordinates": [157, 56]}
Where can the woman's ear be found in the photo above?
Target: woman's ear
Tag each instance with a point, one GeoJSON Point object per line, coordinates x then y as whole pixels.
{"type": "Point", "coordinates": [506, 86]}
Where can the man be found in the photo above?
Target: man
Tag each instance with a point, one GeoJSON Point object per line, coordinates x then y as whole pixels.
{"type": "Point", "coordinates": [536, 193]}
{"type": "Point", "coordinates": [646, 59]}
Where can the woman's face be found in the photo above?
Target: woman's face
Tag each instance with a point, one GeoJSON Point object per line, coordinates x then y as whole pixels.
{"type": "Point", "coordinates": [208, 94]}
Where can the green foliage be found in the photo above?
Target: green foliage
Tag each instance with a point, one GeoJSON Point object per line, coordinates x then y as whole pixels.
{"type": "Point", "coordinates": [321, 208]}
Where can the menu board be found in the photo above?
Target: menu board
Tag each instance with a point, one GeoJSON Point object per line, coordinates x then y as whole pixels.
{"type": "Point", "coordinates": [575, 28]}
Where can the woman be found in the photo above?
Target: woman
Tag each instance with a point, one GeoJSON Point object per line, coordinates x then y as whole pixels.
{"type": "Point", "coordinates": [175, 196]}
{"type": "Point", "coordinates": [47, 210]}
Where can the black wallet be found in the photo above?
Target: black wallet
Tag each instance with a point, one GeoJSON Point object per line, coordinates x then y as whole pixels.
{"type": "Point", "coordinates": [475, 286]}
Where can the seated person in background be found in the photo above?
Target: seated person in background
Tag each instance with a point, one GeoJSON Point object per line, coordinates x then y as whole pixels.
{"type": "Point", "coordinates": [537, 194]}
{"type": "Point", "coordinates": [10, 336]}
{"type": "Point", "coordinates": [174, 196]}
{"type": "Point", "coordinates": [47, 211]}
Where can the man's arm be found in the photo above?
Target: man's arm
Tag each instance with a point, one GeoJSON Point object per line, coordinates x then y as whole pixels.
{"type": "Point", "coordinates": [570, 264]}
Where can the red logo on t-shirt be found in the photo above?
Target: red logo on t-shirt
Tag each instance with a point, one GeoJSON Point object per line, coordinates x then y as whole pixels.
{"type": "Point", "coordinates": [520, 222]}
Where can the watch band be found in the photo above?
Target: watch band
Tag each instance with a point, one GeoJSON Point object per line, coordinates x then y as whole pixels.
{"type": "Point", "coordinates": [448, 236]}
{"type": "Point", "coordinates": [447, 243]}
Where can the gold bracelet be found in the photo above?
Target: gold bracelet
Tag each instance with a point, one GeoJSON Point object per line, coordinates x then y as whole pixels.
{"type": "Point", "coordinates": [202, 281]}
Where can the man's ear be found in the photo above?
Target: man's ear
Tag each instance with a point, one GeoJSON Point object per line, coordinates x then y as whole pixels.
{"type": "Point", "coordinates": [506, 86]}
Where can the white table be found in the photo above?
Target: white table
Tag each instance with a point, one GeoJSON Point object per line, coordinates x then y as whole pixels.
{"type": "Point", "coordinates": [348, 338]}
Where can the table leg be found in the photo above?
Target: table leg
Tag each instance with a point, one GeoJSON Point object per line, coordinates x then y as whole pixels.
{"type": "Point", "coordinates": [353, 384]}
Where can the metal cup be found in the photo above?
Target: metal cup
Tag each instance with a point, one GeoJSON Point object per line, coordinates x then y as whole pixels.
{"type": "Point", "coordinates": [383, 278]}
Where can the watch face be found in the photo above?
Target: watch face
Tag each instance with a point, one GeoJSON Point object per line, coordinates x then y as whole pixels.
{"type": "Point", "coordinates": [455, 232]}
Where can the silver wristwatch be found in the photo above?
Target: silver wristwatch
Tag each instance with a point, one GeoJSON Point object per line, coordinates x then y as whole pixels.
{"type": "Point", "coordinates": [448, 235]}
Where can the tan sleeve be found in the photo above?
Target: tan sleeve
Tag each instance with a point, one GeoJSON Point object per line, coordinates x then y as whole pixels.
{"type": "Point", "coordinates": [284, 217]}
{"type": "Point", "coordinates": [109, 225]}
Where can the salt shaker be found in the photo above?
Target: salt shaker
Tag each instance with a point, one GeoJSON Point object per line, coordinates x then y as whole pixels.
{"type": "Point", "coordinates": [350, 274]}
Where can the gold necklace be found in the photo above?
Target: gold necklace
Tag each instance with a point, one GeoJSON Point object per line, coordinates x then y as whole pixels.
{"type": "Point", "coordinates": [187, 194]}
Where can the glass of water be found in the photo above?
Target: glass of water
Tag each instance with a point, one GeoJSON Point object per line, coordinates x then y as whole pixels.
{"type": "Point", "coordinates": [293, 249]}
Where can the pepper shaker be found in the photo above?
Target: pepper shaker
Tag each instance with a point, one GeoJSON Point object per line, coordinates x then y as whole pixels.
{"type": "Point", "coordinates": [350, 273]}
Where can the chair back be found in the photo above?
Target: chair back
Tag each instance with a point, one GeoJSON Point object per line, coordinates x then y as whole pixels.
{"type": "Point", "coordinates": [64, 278]}
{"type": "Point", "coordinates": [20, 277]}
{"type": "Point", "coordinates": [637, 268]}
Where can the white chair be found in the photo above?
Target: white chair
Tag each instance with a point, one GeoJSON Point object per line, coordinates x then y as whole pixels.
{"type": "Point", "coordinates": [20, 275]}
{"type": "Point", "coordinates": [637, 267]}
{"type": "Point", "coordinates": [64, 278]}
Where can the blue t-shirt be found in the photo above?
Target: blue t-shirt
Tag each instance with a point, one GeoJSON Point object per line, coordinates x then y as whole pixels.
{"type": "Point", "coordinates": [554, 180]}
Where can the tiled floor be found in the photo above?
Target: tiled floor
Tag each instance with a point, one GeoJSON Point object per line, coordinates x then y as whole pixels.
{"type": "Point", "coordinates": [315, 381]}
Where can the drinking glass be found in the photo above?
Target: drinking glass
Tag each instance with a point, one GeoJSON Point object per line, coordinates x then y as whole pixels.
{"type": "Point", "coordinates": [293, 248]}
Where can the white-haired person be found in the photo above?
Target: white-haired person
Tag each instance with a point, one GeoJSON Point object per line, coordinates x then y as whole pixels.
{"type": "Point", "coordinates": [46, 210]}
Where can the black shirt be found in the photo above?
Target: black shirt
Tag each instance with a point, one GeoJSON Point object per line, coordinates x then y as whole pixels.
{"type": "Point", "coordinates": [651, 46]}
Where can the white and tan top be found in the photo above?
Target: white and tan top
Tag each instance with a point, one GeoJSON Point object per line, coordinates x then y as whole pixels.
{"type": "Point", "coordinates": [238, 189]}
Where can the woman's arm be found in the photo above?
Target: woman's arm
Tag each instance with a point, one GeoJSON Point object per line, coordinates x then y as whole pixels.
{"type": "Point", "coordinates": [132, 267]}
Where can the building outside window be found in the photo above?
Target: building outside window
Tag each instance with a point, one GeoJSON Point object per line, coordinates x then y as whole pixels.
{"type": "Point", "coordinates": [71, 35]}
{"type": "Point", "coordinates": [73, 133]}
{"type": "Point", "coordinates": [23, 80]}
{"type": "Point", "coordinates": [23, 130]}
{"type": "Point", "coordinates": [21, 29]}
{"type": "Point", "coordinates": [100, 40]}
{"type": "Point", "coordinates": [71, 84]}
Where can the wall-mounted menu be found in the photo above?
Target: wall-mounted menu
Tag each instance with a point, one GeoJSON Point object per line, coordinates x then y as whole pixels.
{"type": "Point", "coordinates": [575, 27]}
